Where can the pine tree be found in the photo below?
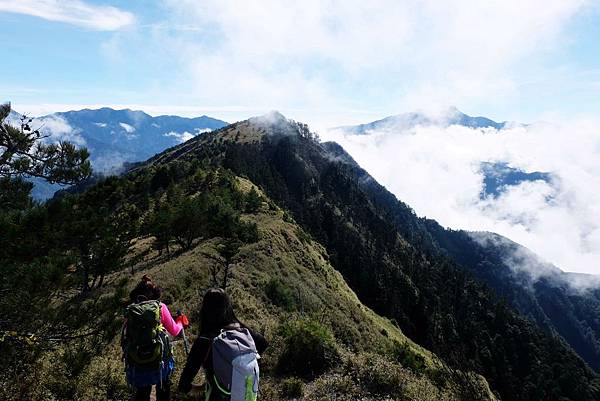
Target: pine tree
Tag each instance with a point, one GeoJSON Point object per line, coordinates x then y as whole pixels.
{"type": "Point", "coordinates": [25, 152]}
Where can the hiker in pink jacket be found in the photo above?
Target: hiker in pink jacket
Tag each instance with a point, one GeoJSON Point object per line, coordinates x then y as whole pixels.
{"type": "Point", "coordinates": [146, 290]}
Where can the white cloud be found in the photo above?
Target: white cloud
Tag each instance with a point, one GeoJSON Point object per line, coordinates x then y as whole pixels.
{"type": "Point", "coordinates": [436, 171]}
{"type": "Point", "coordinates": [110, 163]}
{"type": "Point", "coordinates": [181, 137]}
{"type": "Point", "coordinates": [57, 129]}
{"type": "Point", "coordinates": [101, 125]}
{"type": "Point", "coordinates": [396, 55]}
{"type": "Point", "coordinates": [128, 128]}
{"type": "Point", "coordinates": [76, 12]}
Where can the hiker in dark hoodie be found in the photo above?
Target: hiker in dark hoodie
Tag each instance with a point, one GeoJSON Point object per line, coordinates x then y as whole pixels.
{"type": "Point", "coordinates": [217, 318]}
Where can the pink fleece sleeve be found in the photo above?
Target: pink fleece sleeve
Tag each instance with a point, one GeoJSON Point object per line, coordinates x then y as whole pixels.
{"type": "Point", "coordinates": [167, 321]}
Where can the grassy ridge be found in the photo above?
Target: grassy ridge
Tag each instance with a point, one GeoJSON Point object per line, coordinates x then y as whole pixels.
{"type": "Point", "coordinates": [282, 285]}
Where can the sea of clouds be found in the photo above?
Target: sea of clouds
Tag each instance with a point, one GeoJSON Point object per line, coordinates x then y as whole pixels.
{"type": "Point", "coordinates": [436, 170]}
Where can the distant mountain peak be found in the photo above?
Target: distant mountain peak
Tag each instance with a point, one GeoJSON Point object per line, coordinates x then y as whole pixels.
{"type": "Point", "coordinates": [407, 121]}
{"type": "Point", "coordinates": [276, 124]}
{"type": "Point", "coordinates": [273, 117]}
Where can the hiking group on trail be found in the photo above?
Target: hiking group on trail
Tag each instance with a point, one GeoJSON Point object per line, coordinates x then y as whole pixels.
{"type": "Point", "coordinates": [226, 349]}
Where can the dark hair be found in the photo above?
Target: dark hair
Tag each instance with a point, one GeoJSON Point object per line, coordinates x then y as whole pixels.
{"type": "Point", "coordinates": [216, 311]}
{"type": "Point", "coordinates": [146, 290]}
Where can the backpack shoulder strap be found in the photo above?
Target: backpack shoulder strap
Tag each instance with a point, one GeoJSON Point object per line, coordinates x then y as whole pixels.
{"type": "Point", "coordinates": [206, 356]}
{"type": "Point", "coordinates": [210, 342]}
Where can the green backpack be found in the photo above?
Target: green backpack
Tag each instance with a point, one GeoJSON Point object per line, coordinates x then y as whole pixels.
{"type": "Point", "coordinates": [146, 346]}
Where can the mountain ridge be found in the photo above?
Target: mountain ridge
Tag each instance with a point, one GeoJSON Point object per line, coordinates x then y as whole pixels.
{"type": "Point", "coordinates": [190, 224]}
{"type": "Point", "coordinates": [374, 245]}
{"type": "Point", "coordinates": [115, 137]}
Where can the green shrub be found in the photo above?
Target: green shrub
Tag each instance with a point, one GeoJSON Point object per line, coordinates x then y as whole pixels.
{"type": "Point", "coordinates": [292, 388]}
{"type": "Point", "coordinates": [408, 358]}
{"type": "Point", "coordinates": [247, 232]}
{"type": "Point", "coordinates": [376, 374]}
{"type": "Point", "coordinates": [438, 376]}
{"type": "Point", "coordinates": [253, 201]}
{"type": "Point", "coordinates": [303, 236]}
{"type": "Point", "coordinates": [280, 294]}
{"type": "Point", "coordinates": [346, 332]}
{"type": "Point", "coordinates": [309, 349]}
{"type": "Point", "coordinates": [336, 387]}
{"type": "Point", "coordinates": [287, 217]}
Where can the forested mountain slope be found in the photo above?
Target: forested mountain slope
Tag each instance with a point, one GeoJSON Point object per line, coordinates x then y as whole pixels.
{"type": "Point", "coordinates": [559, 302]}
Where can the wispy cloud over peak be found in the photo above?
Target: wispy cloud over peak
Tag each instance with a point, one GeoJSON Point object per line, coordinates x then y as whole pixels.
{"type": "Point", "coordinates": [76, 12]}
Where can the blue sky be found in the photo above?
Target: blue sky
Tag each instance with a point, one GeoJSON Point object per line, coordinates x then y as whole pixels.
{"type": "Point", "coordinates": [337, 62]}
{"type": "Point", "coordinates": [321, 62]}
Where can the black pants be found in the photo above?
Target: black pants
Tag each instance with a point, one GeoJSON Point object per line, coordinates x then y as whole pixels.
{"type": "Point", "coordinates": [162, 393]}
